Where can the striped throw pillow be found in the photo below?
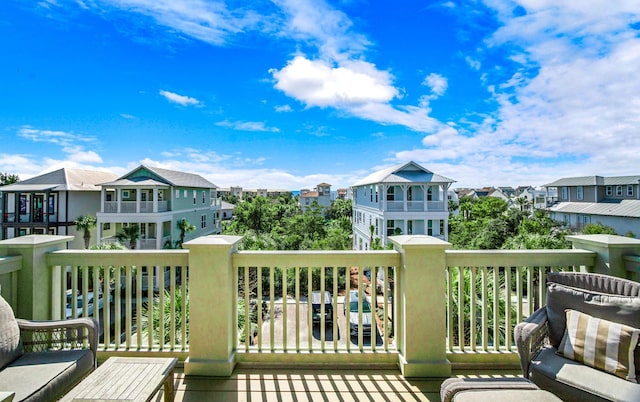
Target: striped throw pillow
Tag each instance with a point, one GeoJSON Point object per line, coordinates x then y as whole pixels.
{"type": "Point", "coordinates": [601, 344]}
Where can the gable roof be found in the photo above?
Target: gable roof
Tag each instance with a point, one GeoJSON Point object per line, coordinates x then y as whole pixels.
{"type": "Point", "coordinates": [65, 179]}
{"type": "Point", "coordinates": [406, 173]}
{"type": "Point", "coordinates": [159, 176]}
{"type": "Point", "coordinates": [594, 181]}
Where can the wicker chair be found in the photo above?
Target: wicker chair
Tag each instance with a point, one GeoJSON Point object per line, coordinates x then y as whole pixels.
{"type": "Point", "coordinates": [538, 338]}
{"type": "Point", "coordinates": [42, 360]}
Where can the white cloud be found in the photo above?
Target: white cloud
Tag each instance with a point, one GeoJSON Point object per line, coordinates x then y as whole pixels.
{"type": "Point", "coordinates": [247, 126]}
{"type": "Point", "coordinates": [128, 116]}
{"type": "Point", "coordinates": [210, 21]}
{"type": "Point", "coordinates": [318, 83]}
{"type": "Point", "coordinates": [283, 109]}
{"type": "Point", "coordinates": [179, 99]}
{"type": "Point", "coordinates": [437, 83]}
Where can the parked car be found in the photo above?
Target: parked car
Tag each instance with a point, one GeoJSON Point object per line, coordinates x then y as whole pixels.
{"type": "Point", "coordinates": [367, 314]}
{"type": "Point", "coordinates": [316, 308]}
{"type": "Point", "coordinates": [79, 301]}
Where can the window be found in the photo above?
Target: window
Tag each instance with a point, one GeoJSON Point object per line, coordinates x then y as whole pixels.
{"type": "Point", "coordinates": [184, 194]}
{"type": "Point", "coordinates": [194, 197]}
{"type": "Point", "coordinates": [106, 226]}
{"type": "Point", "coordinates": [409, 227]}
{"type": "Point", "coordinates": [567, 219]}
{"type": "Point", "coordinates": [203, 221]}
{"type": "Point", "coordinates": [391, 194]}
{"type": "Point", "coordinates": [619, 191]}
{"type": "Point", "coordinates": [609, 191]}
{"type": "Point", "coordinates": [410, 194]}
{"type": "Point", "coordinates": [371, 194]}
{"type": "Point", "coordinates": [430, 227]}
{"type": "Point", "coordinates": [125, 193]}
{"type": "Point", "coordinates": [52, 203]}
{"type": "Point", "coordinates": [203, 195]}
{"type": "Point", "coordinates": [430, 194]}
{"type": "Point", "coordinates": [629, 190]}
{"type": "Point", "coordinates": [390, 227]}
{"type": "Point", "coordinates": [376, 194]}
{"type": "Point", "coordinates": [441, 227]}
{"type": "Point", "coordinates": [177, 193]}
{"type": "Point", "coordinates": [564, 194]}
{"type": "Point", "coordinates": [580, 193]}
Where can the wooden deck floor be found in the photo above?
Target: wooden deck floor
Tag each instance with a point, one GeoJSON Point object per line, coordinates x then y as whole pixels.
{"type": "Point", "coordinates": [313, 385]}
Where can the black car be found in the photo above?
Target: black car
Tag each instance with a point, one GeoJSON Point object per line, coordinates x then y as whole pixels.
{"type": "Point", "coordinates": [316, 307]}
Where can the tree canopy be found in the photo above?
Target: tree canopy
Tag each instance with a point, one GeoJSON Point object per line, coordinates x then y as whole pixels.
{"type": "Point", "coordinates": [8, 178]}
{"type": "Point", "coordinates": [279, 224]}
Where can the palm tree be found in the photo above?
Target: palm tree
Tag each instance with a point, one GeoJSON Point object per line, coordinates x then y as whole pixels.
{"type": "Point", "coordinates": [86, 223]}
{"type": "Point", "coordinates": [129, 234]}
{"type": "Point", "coordinates": [185, 227]}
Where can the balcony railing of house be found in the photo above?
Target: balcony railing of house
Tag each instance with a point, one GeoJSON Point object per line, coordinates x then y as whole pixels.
{"type": "Point", "coordinates": [431, 308]}
{"type": "Point", "coordinates": [130, 206]}
{"type": "Point", "coordinates": [148, 244]}
{"type": "Point", "coordinates": [436, 206]}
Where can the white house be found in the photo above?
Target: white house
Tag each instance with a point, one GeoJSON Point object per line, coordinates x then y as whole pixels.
{"type": "Point", "coordinates": [156, 199]}
{"type": "Point", "coordinates": [611, 201]}
{"type": "Point", "coordinates": [321, 194]}
{"type": "Point", "coordinates": [49, 203]}
{"type": "Point", "coordinates": [403, 199]}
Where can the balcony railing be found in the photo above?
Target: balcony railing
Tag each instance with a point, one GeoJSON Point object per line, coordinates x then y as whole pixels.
{"type": "Point", "coordinates": [130, 206]}
{"type": "Point", "coordinates": [255, 307]}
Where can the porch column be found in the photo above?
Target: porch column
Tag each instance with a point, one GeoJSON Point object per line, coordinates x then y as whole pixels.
{"type": "Point", "coordinates": [119, 199]}
{"type": "Point", "coordinates": [155, 199]}
{"type": "Point", "coordinates": [37, 284]}
{"type": "Point", "coordinates": [159, 244]}
{"type": "Point", "coordinates": [102, 198]}
{"type": "Point", "coordinates": [138, 196]}
{"type": "Point", "coordinates": [212, 328]}
{"type": "Point", "coordinates": [404, 201]}
{"type": "Point", "coordinates": [421, 306]}
{"type": "Point", "coordinates": [614, 253]}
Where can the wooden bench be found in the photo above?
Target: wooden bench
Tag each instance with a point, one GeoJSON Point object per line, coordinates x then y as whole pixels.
{"type": "Point", "coordinates": [126, 379]}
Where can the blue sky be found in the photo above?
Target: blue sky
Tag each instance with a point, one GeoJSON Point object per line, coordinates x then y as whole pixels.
{"type": "Point", "coordinates": [288, 94]}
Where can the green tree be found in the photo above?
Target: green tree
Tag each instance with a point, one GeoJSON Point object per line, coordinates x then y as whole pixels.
{"type": "Point", "coordinates": [185, 227]}
{"type": "Point", "coordinates": [340, 208]}
{"type": "Point", "coordinates": [85, 223]}
{"type": "Point", "coordinates": [7, 178]}
{"type": "Point", "coordinates": [129, 234]}
{"type": "Point", "coordinates": [151, 318]}
{"type": "Point", "coordinates": [598, 228]}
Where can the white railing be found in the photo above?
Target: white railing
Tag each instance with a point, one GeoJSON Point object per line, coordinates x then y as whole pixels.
{"type": "Point", "coordinates": [148, 244]}
{"type": "Point", "coordinates": [110, 206]}
{"type": "Point", "coordinates": [146, 207]}
{"type": "Point", "coordinates": [415, 206]}
{"type": "Point", "coordinates": [395, 206]}
{"type": "Point", "coordinates": [163, 206]}
{"type": "Point", "coordinates": [498, 290]}
{"type": "Point", "coordinates": [126, 302]}
{"type": "Point", "coordinates": [128, 206]}
{"type": "Point", "coordinates": [436, 206]}
{"type": "Point", "coordinates": [346, 315]}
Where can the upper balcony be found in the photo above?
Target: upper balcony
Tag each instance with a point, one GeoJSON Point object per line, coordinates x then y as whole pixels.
{"type": "Point", "coordinates": [220, 310]}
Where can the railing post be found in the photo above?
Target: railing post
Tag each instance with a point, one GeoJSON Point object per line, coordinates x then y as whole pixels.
{"type": "Point", "coordinates": [35, 280]}
{"type": "Point", "coordinates": [611, 251]}
{"type": "Point", "coordinates": [212, 309]}
{"type": "Point", "coordinates": [422, 306]}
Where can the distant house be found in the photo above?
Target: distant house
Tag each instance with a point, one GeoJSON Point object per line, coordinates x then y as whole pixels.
{"type": "Point", "coordinates": [156, 199]}
{"type": "Point", "coordinates": [321, 194]}
{"type": "Point", "coordinates": [341, 194]}
{"type": "Point", "coordinates": [612, 201]}
{"type": "Point", "coordinates": [403, 199]}
{"type": "Point", "coordinates": [49, 203]}
{"type": "Point", "coordinates": [243, 194]}
{"type": "Point", "coordinates": [226, 210]}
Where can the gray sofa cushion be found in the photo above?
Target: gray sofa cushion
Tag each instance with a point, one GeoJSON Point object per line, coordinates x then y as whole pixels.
{"type": "Point", "coordinates": [10, 345]}
{"type": "Point", "coordinates": [45, 376]}
{"type": "Point", "coordinates": [572, 381]}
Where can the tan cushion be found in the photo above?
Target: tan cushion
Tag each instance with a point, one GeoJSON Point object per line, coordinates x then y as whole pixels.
{"type": "Point", "coordinates": [601, 344]}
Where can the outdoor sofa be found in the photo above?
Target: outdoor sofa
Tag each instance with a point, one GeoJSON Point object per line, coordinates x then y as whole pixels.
{"type": "Point", "coordinates": [42, 360]}
{"type": "Point", "coordinates": [562, 358]}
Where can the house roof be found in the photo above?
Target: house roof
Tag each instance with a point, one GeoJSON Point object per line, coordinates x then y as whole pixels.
{"type": "Point", "coordinates": [65, 179]}
{"type": "Point", "coordinates": [594, 181]}
{"type": "Point", "coordinates": [163, 177]}
{"type": "Point", "coordinates": [406, 173]}
{"type": "Point", "coordinates": [309, 194]}
{"type": "Point", "coordinates": [226, 205]}
{"type": "Point", "coordinates": [625, 208]}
